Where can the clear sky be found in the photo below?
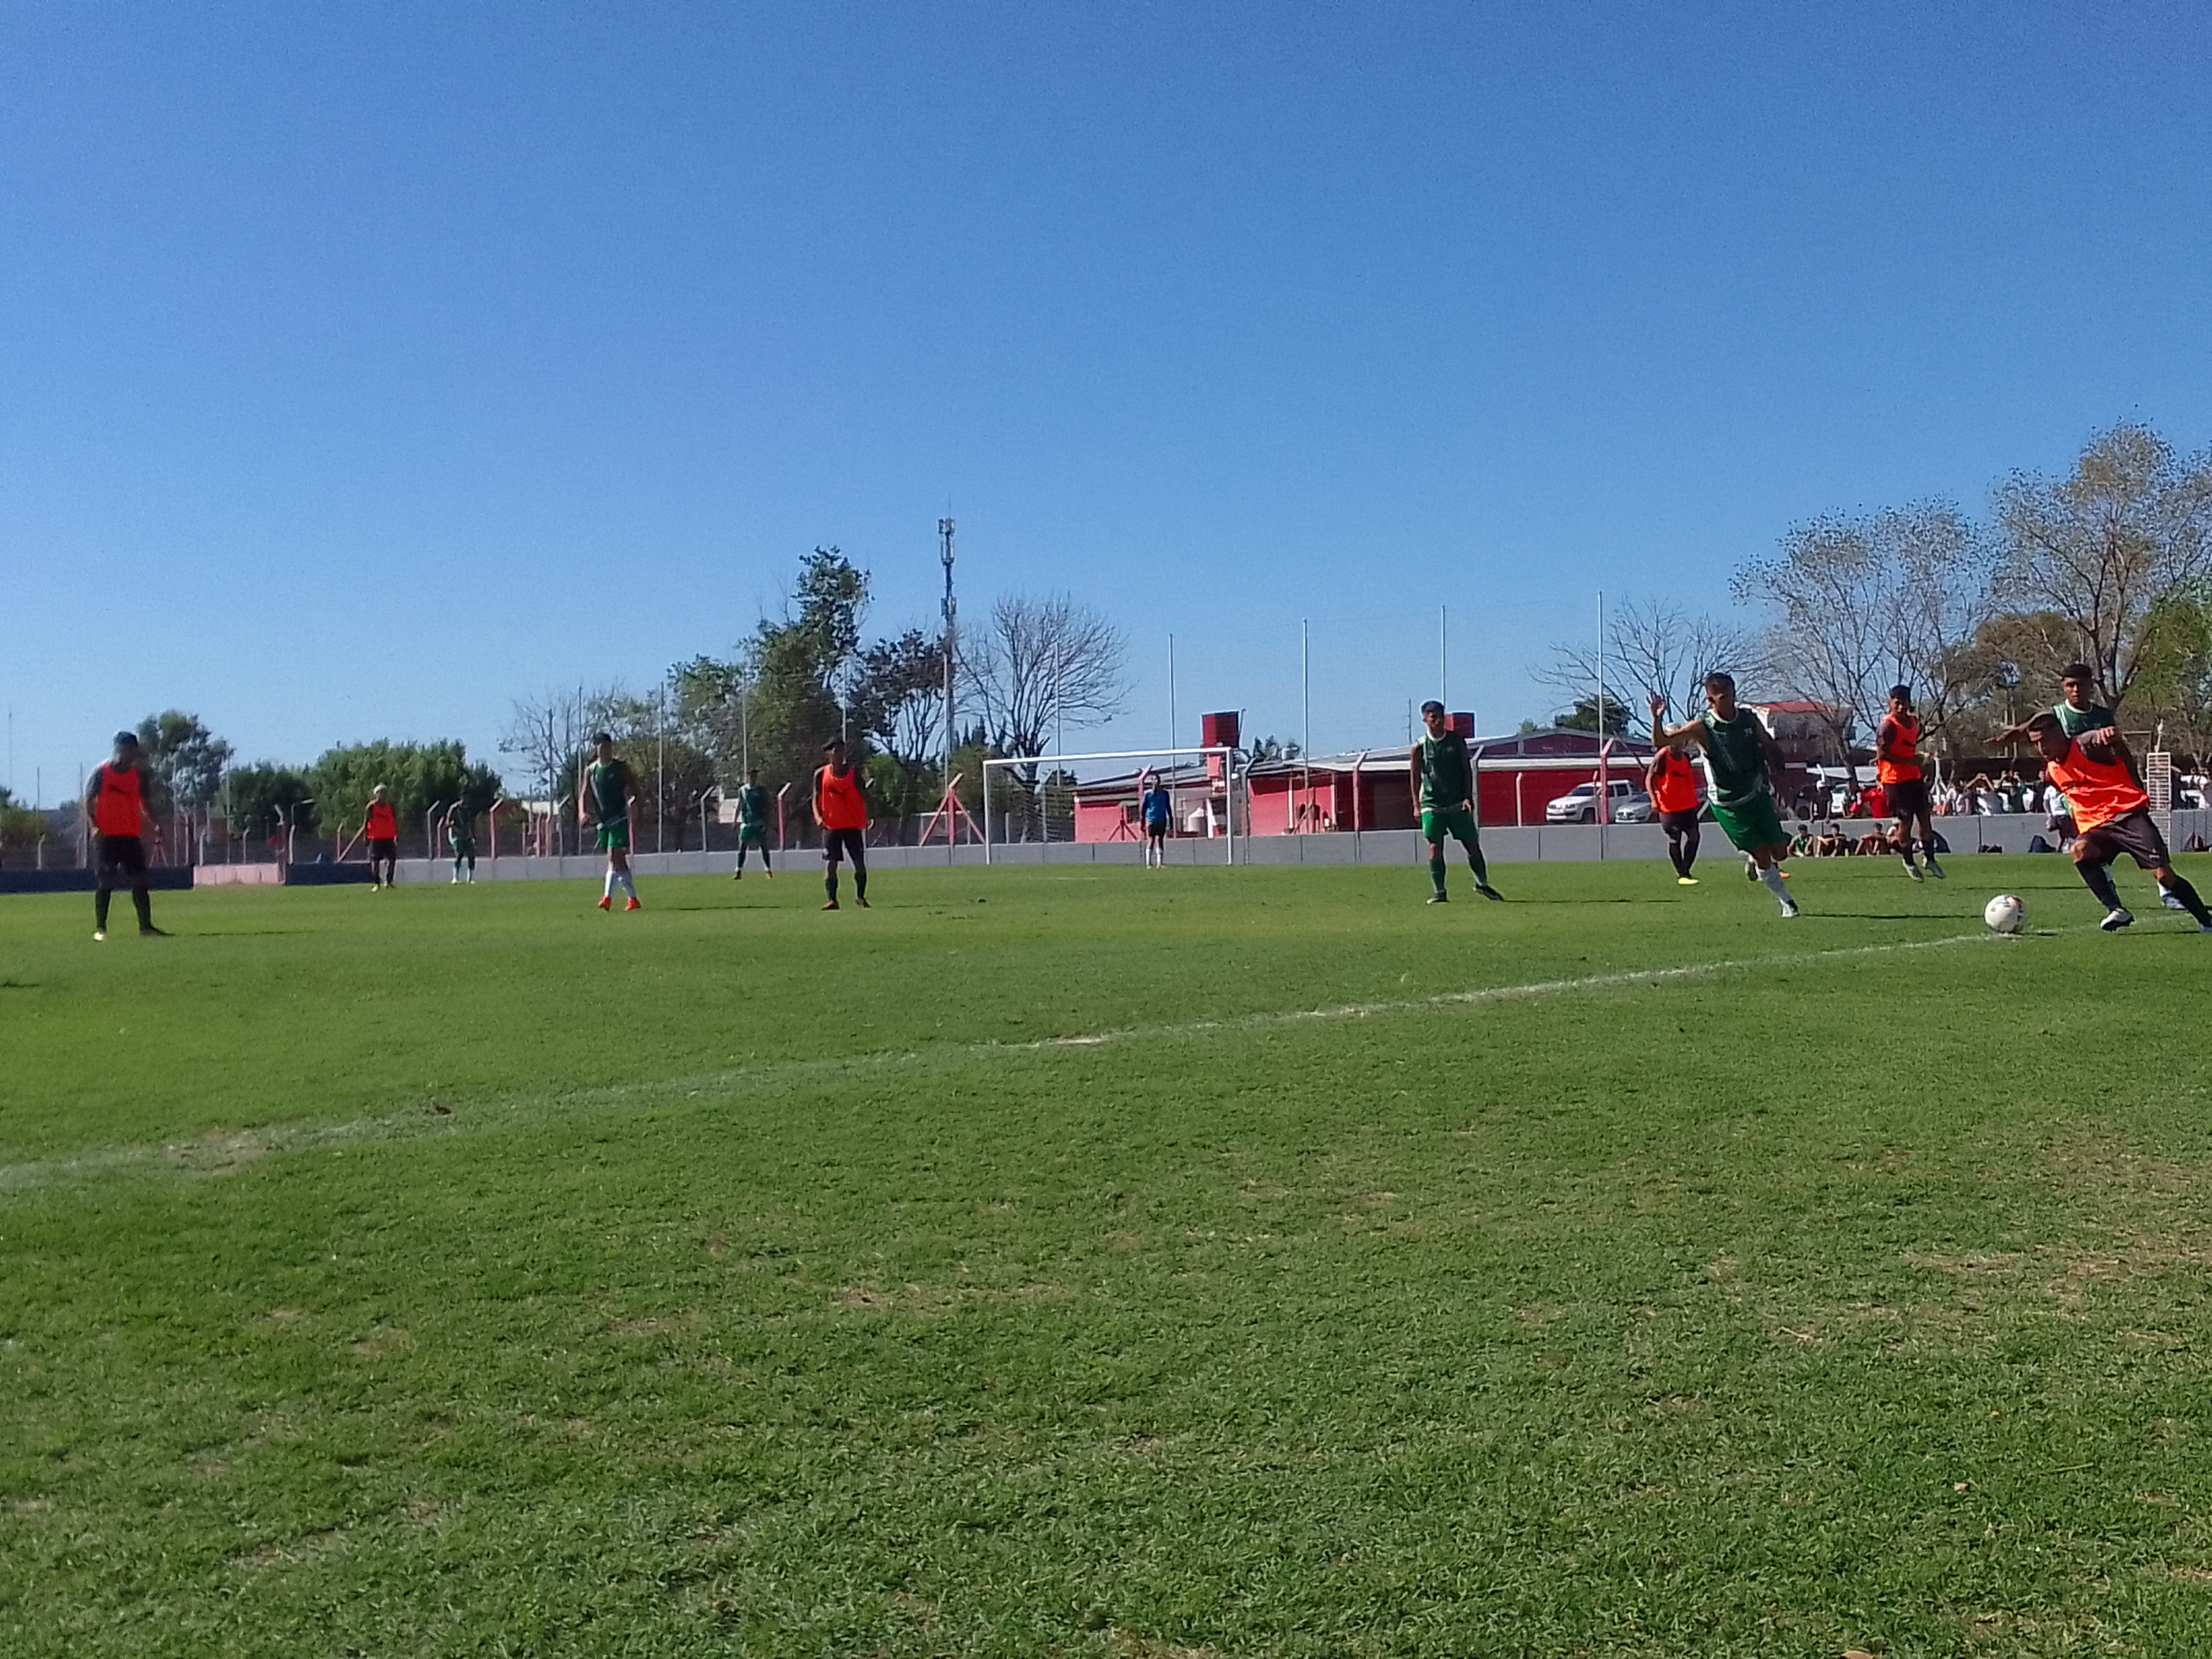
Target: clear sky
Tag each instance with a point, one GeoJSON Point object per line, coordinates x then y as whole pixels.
{"type": "Point", "coordinates": [361, 367]}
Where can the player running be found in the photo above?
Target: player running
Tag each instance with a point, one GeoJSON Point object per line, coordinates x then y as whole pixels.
{"type": "Point", "coordinates": [115, 805]}
{"type": "Point", "coordinates": [606, 797]}
{"type": "Point", "coordinates": [1156, 808]}
{"type": "Point", "coordinates": [1743, 761]}
{"type": "Point", "coordinates": [381, 829]}
{"type": "Point", "coordinates": [2111, 811]}
{"type": "Point", "coordinates": [1443, 784]}
{"type": "Point", "coordinates": [1904, 787]}
{"type": "Point", "coordinates": [461, 837]}
{"type": "Point", "coordinates": [842, 812]}
{"type": "Point", "coordinates": [1671, 781]}
{"type": "Point", "coordinates": [752, 823]}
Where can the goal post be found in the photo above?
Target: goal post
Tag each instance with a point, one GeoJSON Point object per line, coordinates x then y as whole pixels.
{"type": "Point", "coordinates": [1139, 760]}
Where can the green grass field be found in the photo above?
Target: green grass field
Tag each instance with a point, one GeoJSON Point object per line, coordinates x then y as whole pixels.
{"type": "Point", "coordinates": [1250, 1261]}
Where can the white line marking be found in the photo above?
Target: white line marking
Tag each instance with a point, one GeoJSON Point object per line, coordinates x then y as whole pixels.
{"type": "Point", "coordinates": [216, 1152]}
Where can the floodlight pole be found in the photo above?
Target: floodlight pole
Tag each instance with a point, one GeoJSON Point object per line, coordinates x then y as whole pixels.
{"type": "Point", "coordinates": [951, 639]}
{"type": "Point", "coordinates": [1444, 658]}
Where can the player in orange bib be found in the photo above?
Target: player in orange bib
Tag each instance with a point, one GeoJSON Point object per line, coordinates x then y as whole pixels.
{"type": "Point", "coordinates": [2112, 813]}
{"type": "Point", "coordinates": [842, 812]}
{"type": "Point", "coordinates": [115, 804]}
{"type": "Point", "coordinates": [1904, 787]}
{"type": "Point", "coordinates": [381, 829]}
{"type": "Point", "coordinates": [1672, 779]}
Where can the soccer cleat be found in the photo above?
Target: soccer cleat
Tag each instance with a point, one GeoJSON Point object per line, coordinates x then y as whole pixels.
{"type": "Point", "coordinates": [1935, 869]}
{"type": "Point", "coordinates": [457, 881]}
{"type": "Point", "coordinates": [151, 932]}
{"type": "Point", "coordinates": [1750, 868]}
{"type": "Point", "coordinates": [2116, 919]}
{"type": "Point", "coordinates": [633, 904]}
{"type": "Point", "coordinates": [1440, 898]}
{"type": "Point", "coordinates": [608, 902]}
{"type": "Point", "coordinates": [860, 899]}
{"type": "Point", "coordinates": [739, 876]}
{"type": "Point", "coordinates": [1488, 891]}
{"type": "Point", "coordinates": [100, 936]}
{"type": "Point", "coordinates": [1913, 871]}
{"type": "Point", "coordinates": [831, 905]}
{"type": "Point", "coordinates": [2170, 899]}
{"type": "Point", "coordinates": [1686, 881]}
{"type": "Point", "coordinates": [1789, 911]}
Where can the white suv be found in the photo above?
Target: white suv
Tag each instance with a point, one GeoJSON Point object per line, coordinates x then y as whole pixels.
{"type": "Point", "coordinates": [1626, 799]}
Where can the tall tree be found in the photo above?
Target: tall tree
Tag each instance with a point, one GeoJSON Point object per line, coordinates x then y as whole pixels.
{"type": "Point", "coordinates": [1653, 648]}
{"type": "Point", "coordinates": [185, 760]}
{"type": "Point", "coordinates": [2102, 547]}
{"type": "Point", "coordinates": [257, 798]}
{"type": "Point", "coordinates": [416, 776]}
{"type": "Point", "coordinates": [1038, 664]}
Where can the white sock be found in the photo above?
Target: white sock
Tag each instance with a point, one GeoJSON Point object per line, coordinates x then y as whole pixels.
{"type": "Point", "coordinates": [608, 891]}
{"type": "Point", "coordinates": [628, 885]}
{"type": "Point", "coordinates": [1772, 878]}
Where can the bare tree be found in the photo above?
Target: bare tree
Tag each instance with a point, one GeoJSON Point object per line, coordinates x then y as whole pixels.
{"type": "Point", "coordinates": [1943, 563]}
{"type": "Point", "coordinates": [549, 732]}
{"type": "Point", "coordinates": [1040, 663]}
{"type": "Point", "coordinates": [1653, 648]}
{"type": "Point", "coordinates": [2103, 547]}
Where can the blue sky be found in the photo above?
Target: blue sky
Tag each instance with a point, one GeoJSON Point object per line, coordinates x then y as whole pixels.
{"type": "Point", "coordinates": [362, 368]}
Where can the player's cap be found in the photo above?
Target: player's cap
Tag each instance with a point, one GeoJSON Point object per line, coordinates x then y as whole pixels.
{"type": "Point", "coordinates": [1433, 706]}
{"type": "Point", "coordinates": [606, 738]}
{"type": "Point", "coordinates": [126, 739]}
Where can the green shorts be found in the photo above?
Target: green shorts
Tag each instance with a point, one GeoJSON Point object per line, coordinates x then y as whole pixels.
{"type": "Point", "coordinates": [752, 833]}
{"type": "Point", "coordinates": [1751, 824]}
{"type": "Point", "coordinates": [614, 837]}
{"type": "Point", "coordinates": [1455, 822]}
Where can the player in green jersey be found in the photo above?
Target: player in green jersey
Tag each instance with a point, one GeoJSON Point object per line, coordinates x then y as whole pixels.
{"type": "Point", "coordinates": [1743, 761]}
{"type": "Point", "coordinates": [752, 823]}
{"type": "Point", "coordinates": [461, 837]}
{"type": "Point", "coordinates": [606, 798]}
{"type": "Point", "coordinates": [1443, 788]}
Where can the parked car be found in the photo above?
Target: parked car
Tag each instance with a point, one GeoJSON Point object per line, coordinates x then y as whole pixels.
{"type": "Point", "coordinates": [1627, 802]}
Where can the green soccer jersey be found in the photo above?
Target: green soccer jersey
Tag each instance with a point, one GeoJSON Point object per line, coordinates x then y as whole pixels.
{"type": "Point", "coordinates": [752, 807]}
{"type": "Point", "coordinates": [608, 784]}
{"type": "Point", "coordinates": [2078, 721]}
{"type": "Point", "coordinates": [1447, 772]}
{"type": "Point", "coordinates": [1735, 756]}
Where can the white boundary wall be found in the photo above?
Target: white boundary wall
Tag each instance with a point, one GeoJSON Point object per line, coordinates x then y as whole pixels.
{"type": "Point", "coordinates": [1568, 842]}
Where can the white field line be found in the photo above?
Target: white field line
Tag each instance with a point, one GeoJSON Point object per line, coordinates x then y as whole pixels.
{"type": "Point", "coordinates": [216, 1152]}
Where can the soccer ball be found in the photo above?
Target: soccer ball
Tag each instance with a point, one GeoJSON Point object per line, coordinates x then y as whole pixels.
{"type": "Point", "coordinates": [2004, 914]}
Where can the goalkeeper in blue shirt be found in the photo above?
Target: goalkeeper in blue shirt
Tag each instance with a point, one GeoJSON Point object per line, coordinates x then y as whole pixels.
{"type": "Point", "coordinates": [1157, 809]}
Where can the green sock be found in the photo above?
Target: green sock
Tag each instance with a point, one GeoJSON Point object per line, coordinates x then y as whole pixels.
{"type": "Point", "coordinates": [1436, 869]}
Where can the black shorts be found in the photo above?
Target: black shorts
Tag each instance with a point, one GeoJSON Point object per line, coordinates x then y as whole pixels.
{"type": "Point", "coordinates": [2134, 834]}
{"type": "Point", "coordinates": [1680, 823]}
{"type": "Point", "coordinates": [1906, 797]}
{"type": "Point", "coordinates": [383, 849]}
{"type": "Point", "coordinates": [1157, 831]}
{"type": "Point", "coordinates": [122, 856]}
{"type": "Point", "coordinates": [845, 843]}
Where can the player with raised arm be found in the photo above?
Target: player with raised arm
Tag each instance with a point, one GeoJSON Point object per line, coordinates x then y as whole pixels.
{"type": "Point", "coordinates": [607, 798]}
{"type": "Point", "coordinates": [115, 806]}
{"type": "Point", "coordinates": [2111, 811]}
{"type": "Point", "coordinates": [1903, 787]}
{"type": "Point", "coordinates": [1443, 787]}
{"type": "Point", "coordinates": [1743, 761]}
{"type": "Point", "coordinates": [1671, 781]}
{"type": "Point", "coordinates": [380, 828]}
{"type": "Point", "coordinates": [752, 823]}
{"type": "Point", "coordinates": [1155, 806]}
{"type": "Point", "coordinates": [842, 812]}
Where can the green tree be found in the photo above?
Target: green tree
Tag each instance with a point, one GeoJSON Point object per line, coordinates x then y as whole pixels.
{"type": "Point", "coordinates": [416, 776]}
{"type": "Point", "coordinates": [20, 827]}
{"type": "Point", "coordinates": [185, 760]}
{"type": "Point", "coordinates": [1583, 717]}
{"type": "Point", "coordinates": [255, 795]}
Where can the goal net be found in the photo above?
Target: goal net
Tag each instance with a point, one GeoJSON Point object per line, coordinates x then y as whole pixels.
{"type": "Point", "coordinates": [1043, 799]}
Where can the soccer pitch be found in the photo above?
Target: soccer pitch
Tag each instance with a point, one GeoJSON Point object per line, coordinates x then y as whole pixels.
{"type": "Point", "coordinates": [1099, 1261]}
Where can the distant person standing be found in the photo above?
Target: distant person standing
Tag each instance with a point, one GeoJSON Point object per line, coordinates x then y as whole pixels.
{"type": "Point", "coordinates": [842, 812]}
{"type": "Point", "coordinates": [1903, 787]}
{"type": "Point", "coordinates": [115, 806]}
{"type": "Point", "coordinates": [1672, 778]}
{"type": "Point", "coordinates": [752, 823]}
{"type": "Point", "coordinates": [1443, 787]}
{"type": "Point", "coordinates": [461, 837]}
{"type": "Point", "coordinates": [607, 798]}
{"type": "Point", "coordinates": [1156, 808]}
{"type": "Point", "coordinates": [381, 830]}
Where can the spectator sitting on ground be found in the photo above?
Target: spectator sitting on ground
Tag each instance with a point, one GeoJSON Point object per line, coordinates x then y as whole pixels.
{"type": "Point", "coordinates": [1832, 845]}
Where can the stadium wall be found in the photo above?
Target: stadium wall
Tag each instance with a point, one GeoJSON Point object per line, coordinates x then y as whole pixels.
{"type": "Point", "coordinates": [1550, 843]}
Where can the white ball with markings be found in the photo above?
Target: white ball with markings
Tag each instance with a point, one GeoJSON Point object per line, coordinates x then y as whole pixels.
{"type": "Point", "coordinates": [2004, 914]}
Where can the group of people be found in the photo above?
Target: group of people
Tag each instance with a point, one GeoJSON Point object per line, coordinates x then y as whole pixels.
{"type": "Point", "coordinates": [2086, 761]}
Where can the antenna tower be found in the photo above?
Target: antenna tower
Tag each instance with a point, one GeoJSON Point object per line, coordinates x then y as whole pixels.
{"type": "Point", "coordinates": [951, 639]}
